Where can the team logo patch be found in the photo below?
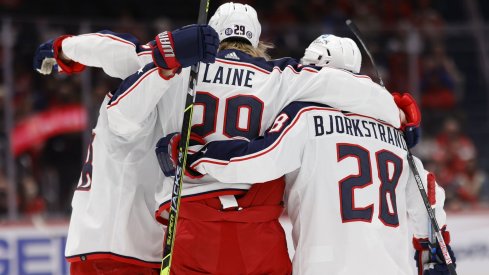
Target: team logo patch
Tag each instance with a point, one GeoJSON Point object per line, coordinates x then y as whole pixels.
{"type": "Point", "coordinates": [249, 34]}
{"type": "Point", "coordinates": [228, 31]}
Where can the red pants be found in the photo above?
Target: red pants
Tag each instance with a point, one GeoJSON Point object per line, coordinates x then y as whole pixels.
{"type": "Point", "coordinates": [109, 267]}
{"type": "Point", "coordinates": [248, 241]}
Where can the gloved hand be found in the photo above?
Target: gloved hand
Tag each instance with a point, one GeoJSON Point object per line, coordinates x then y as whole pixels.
{"type": "Point", "coordinates": [47, 57]}
{"type": "Point", "coordinates": [167, 153]}
{"type": "Point", "coordinates": [185, 47]}
{"type": "Point", "coordinates": [411, 128]}
{"type": "Point", "coordinates": [429, 263]}
{"type": "Point", "coordinates": [44, 61]}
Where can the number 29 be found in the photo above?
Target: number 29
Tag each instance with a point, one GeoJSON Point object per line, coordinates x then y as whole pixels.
{"type": "Point", "coordinates": [239, 29]}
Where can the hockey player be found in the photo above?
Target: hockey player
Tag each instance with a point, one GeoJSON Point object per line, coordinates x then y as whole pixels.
{"type": "Point", "coordinates": [114, 201]}
{"type": "Point", "coordinates": [238, 96]}
{"type": "Point", "coordinates": [350, 194]}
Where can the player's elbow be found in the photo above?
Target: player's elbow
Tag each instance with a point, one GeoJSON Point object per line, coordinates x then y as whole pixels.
{"type": "Point", "coordinates": [121, 126]}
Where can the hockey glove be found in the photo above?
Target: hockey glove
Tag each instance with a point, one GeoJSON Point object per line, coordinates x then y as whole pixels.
{"type": "Point", "coordinates": [429, 260]}
{"type": "Point", "coordinates": [46, 58]}
{"type": "Point", "coordinates": [167, 153]}
{"type": "Point", "coordinates": [411, 128]}
{"type": "Point", "coordinates": [185, 47]}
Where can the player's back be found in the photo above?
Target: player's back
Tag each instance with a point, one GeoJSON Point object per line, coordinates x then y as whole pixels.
{"type": "Point", "coordinates": [238, 96]}
{"type": "Point", "coordinates": [347, 202]}
{"type": "Point", "coordinates": [112, 203]}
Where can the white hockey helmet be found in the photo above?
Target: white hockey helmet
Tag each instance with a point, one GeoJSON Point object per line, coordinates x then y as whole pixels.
{"type": "Point", "coordinates": [332, 51]}
{"type": "Point", "coordinates": [236, 20]}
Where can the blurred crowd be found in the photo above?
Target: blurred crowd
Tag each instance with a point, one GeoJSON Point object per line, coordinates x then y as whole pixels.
{"type": "Point", "coordinates": [408, 38]}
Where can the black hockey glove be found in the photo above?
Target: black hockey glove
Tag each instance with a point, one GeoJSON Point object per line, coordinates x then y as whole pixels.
{"type": "Point", "coordinates": [429, 260]}
{"type": "Point", "coordinates": [46, 58]}
{"type": "Point", "coordinates": [185, 47]}
{"type": "Point", "coordinates": [167, 153]}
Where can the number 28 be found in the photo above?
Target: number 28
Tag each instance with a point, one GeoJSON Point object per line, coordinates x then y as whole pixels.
{"type": "Point", "coordinates": [388, 184]}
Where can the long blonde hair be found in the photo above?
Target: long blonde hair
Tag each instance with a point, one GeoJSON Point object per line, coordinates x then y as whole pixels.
{"type": "Point", "coordinates": [259, 51]}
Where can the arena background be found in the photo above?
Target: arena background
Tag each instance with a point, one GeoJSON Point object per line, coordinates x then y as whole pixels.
{"type": "Point", "coordinates": [435, 49]}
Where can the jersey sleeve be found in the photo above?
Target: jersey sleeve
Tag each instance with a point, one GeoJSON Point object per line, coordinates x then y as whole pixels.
{"type": "Point", "coordinates": [133, 107]}
{"type": "Point", "coordinates": [341, 90]}
{"type": "Point", "coordinates": [417, 214]}
{"type": "Point", "coordinates": [119, 55]}
{"type": "Point", "coordinates": [265, 158]}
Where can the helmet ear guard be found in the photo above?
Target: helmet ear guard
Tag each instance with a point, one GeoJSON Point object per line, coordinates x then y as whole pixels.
{"type": "Point", "coordinates": [335, 52]}
{"type": "Point", "coordinates": [238, 21]}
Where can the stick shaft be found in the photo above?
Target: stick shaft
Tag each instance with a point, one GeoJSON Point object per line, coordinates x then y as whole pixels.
{"type": "Point", "coordinates": [354, 29]}
{"type": "Point", "coordinates": [182, 156]}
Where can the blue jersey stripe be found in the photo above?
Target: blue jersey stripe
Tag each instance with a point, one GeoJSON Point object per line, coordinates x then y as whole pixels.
{"type": "Point", "coordinates": [130, 82]}
{"type": "Point", "coordinates": [225, 150]}
{"type": "Point", "coordinates": [125, 37]}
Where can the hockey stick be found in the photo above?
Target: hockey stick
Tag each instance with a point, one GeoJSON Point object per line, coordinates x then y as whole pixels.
{"type": "Point", "coordinates": [451, 268]}
{"type": "Point", "coordinates": [182, 155]}
{"type": "Point", "coordinates": [431, 232]}
{"type": "Point", "coordinates": [354, 29]}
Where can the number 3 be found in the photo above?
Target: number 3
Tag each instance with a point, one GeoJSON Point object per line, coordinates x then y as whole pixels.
{"type": "Point", "coordinates": [85, 182]}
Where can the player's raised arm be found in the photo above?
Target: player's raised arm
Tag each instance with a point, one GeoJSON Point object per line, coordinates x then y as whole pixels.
{"type": "Point", "coordinates": [338, 83]}
{"type": "Point", "coordinates": [133, 105]}
{"type": "Point", "coordinates": [119, 55]}
{"type": "Point", "coordinates": [265, 158]}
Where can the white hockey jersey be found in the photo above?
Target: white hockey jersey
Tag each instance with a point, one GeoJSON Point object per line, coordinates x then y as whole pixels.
{"type": "Point", "coordinates": [349, 190]}
{"type": "Point", "coordinates": [113, 205]}
{"type": "Point", "coordinates": [238, 96]}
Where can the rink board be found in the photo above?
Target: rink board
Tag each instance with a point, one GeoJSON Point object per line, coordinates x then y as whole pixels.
{"type": "Point", "coordinates": [35, 250]}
